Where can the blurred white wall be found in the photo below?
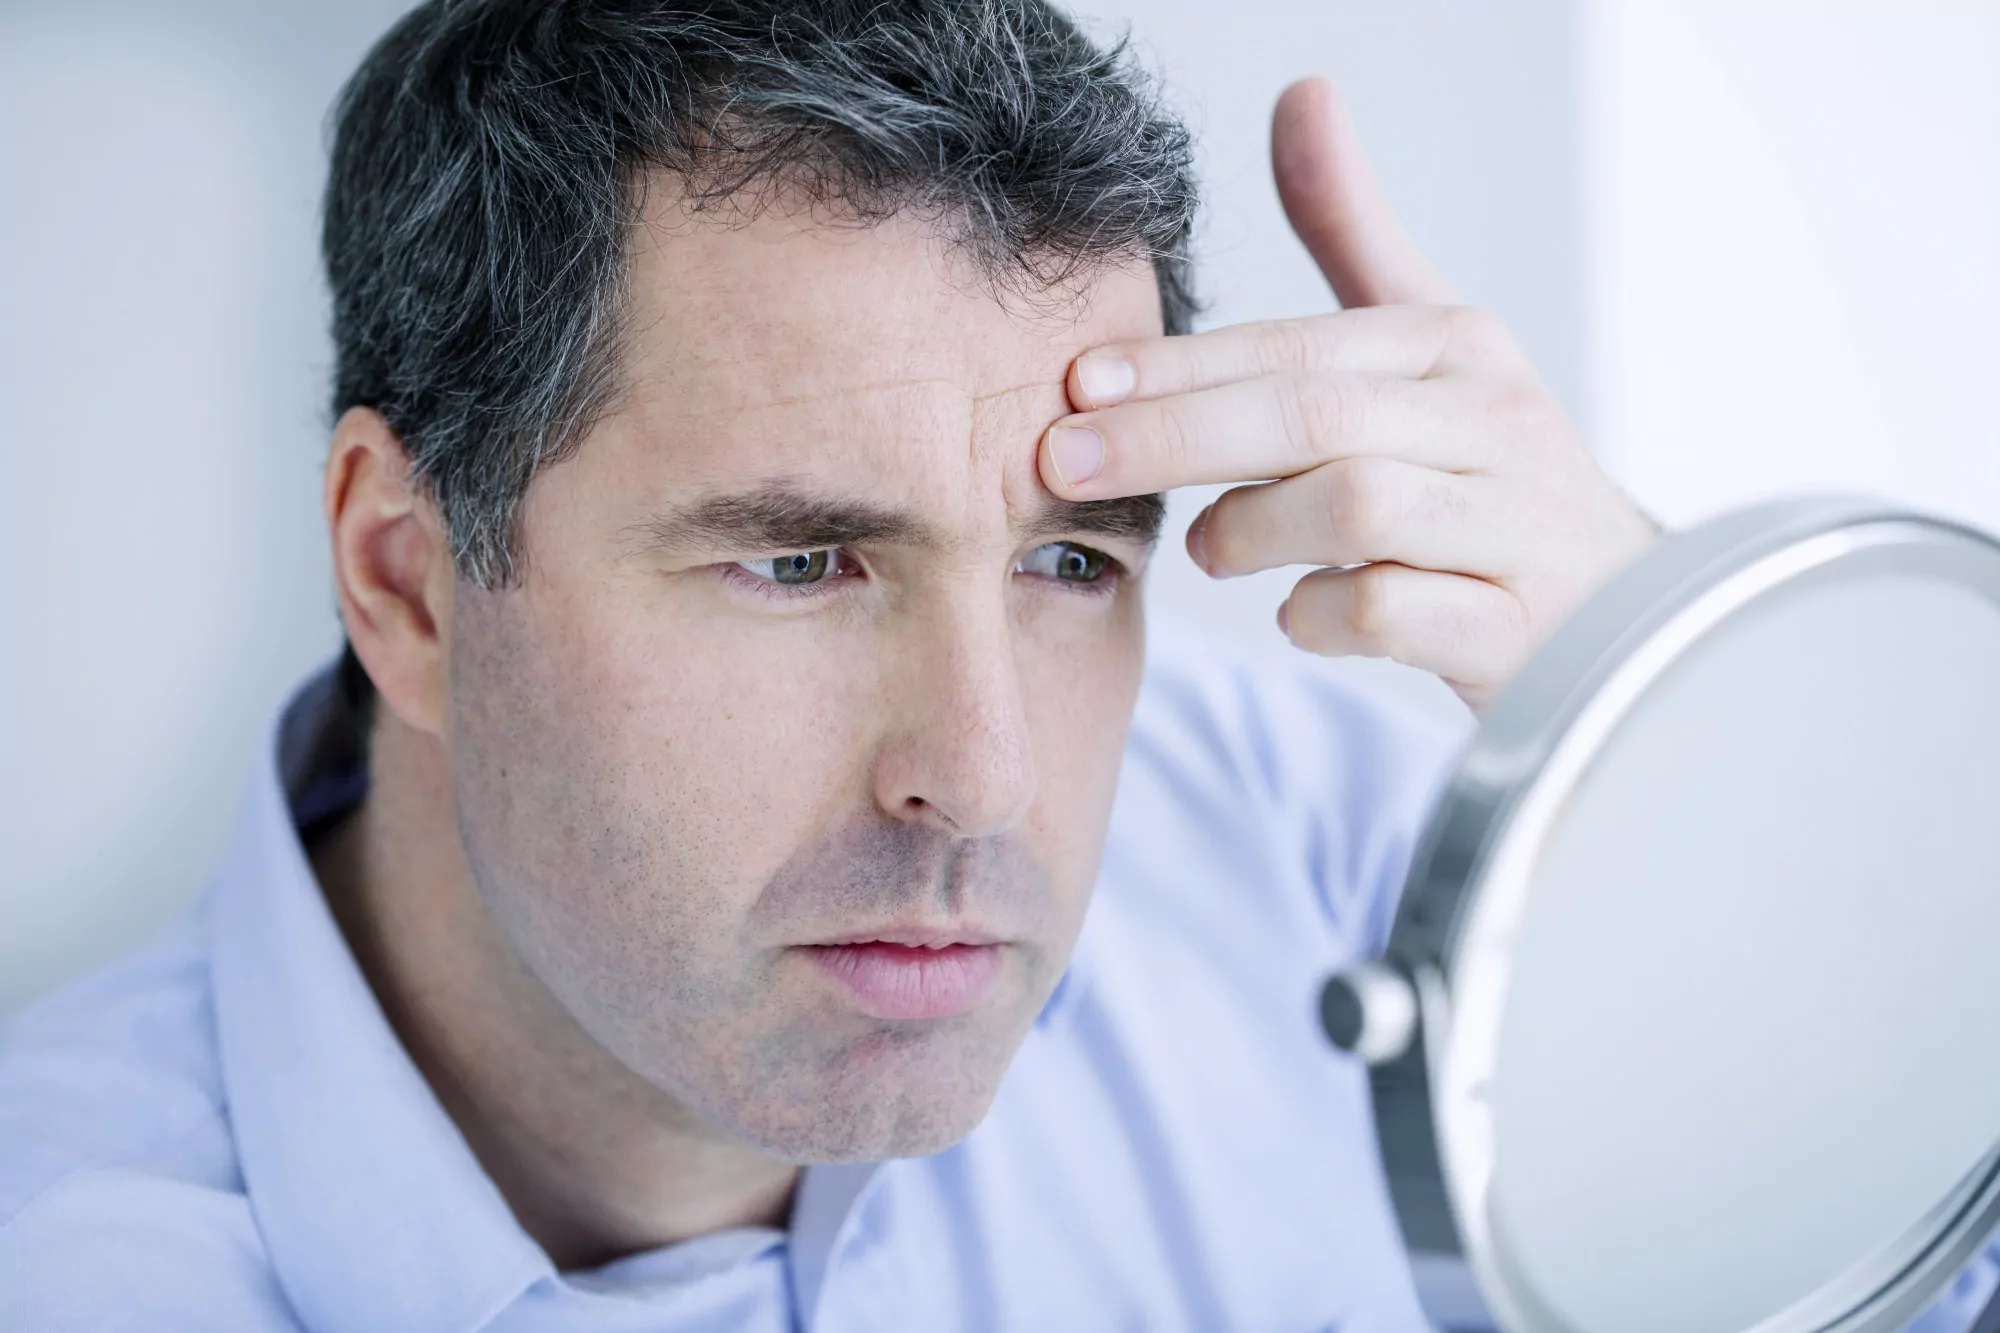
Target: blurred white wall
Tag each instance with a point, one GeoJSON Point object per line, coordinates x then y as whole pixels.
{"type": "Point", "coordinates": [1751, 246]}
{"type": "Point", "coordinates": [1793, 210]}
{"type": "Point", "coordinates": [162, 573]}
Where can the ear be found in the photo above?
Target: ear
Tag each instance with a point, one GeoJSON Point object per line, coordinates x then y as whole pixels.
{"type": "Point", "coordinates": [392, 568]}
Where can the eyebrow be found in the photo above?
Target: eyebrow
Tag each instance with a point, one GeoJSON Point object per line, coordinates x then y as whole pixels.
{"type": "Point", "coordinates": [779, 517]}
{"type": "Point", "coordinates": [1135, 518]}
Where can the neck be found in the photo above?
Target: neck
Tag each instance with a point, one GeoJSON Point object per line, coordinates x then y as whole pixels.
{"type": "Point", "coordinates": [595, 1162]}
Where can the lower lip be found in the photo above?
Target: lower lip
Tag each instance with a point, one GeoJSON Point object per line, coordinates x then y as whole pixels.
{"type": "Point", "coordinates": [897, 981]}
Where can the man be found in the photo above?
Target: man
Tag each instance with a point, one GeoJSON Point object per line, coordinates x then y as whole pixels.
{"type": "Point", "coordinates": [672, 914]}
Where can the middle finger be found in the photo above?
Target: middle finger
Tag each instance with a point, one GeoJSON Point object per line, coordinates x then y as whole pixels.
{"type": "Point", "coordinates": [1362, 510]}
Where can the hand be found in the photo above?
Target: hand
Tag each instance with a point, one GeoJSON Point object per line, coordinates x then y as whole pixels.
{"type": "Point", "coordinates": [1406, 441]}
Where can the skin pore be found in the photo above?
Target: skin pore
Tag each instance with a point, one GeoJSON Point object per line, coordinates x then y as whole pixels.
{"type": "Point", "coordinates": [804, 653]}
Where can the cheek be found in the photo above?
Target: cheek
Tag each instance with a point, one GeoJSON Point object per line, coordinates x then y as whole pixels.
{"type": "Point", "coordinates": [628, 781]}
{"type": "Point", "coordinates": [735, 745]}
{"type": "Point", "coordinates": [1080, 689]}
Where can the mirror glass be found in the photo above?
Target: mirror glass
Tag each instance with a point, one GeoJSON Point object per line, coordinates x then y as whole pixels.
{"type": "Point", "coordinates": [1747, 1045]}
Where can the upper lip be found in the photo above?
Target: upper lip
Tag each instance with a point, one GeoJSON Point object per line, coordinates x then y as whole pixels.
{"type": "Point", "coordinates": [914, 937]}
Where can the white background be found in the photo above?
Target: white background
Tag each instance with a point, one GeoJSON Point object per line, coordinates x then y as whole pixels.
{"type": "Point", "coordinates": [1755, 247]}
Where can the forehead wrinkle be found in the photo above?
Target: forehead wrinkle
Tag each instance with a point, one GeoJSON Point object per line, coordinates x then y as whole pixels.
{"type": "Point", "coordinates": [817, 438]}
{"type": "Point", "coordinates": [861, 392]}
{"type": "Point", "coordinates": [1007, 430]}
{"type": "Point", "coordinates": [993, 423]}
{"type": "Point", "coordinates": [1050, 390]}
{"type": "Point", "coordinates": [1029, 409]}
{"type": "Point", "coordinates": [1001, 431]}
{"type": "Point", "coordinates": [1053, 404]}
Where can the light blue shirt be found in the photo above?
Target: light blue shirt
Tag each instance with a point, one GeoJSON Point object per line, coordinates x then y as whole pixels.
{"type": "Point", "coordinates": [223, 1133]}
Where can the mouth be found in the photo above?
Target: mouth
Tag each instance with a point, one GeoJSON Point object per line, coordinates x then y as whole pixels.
{"type": "Point", "coordinates": [911, 974]}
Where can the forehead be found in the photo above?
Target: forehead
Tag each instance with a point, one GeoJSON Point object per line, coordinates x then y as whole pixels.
{"type": "Point", "coordinates": [795, 346]}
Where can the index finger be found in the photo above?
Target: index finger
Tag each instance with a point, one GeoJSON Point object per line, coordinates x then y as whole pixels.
{"type": "Point", "coordinates": [1406, 341]}
{"type": "Point", "coordinates": [1262, 429]}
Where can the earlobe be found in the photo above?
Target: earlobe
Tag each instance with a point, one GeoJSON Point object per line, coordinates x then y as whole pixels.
{"type": "Point", "coordinates": [391, 567]}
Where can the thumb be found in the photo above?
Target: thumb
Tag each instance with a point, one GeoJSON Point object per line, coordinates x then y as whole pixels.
{"type": "Point", "coordinates": [1337, 207]}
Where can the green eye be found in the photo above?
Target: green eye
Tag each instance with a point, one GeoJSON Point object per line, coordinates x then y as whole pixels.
{"type": "Point", "coordinates": [802, 567]}
{"type": "Point", "coordinates": [1067, 562]}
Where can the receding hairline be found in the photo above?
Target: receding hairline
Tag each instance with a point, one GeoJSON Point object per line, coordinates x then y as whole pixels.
{"type": "Point", "coordinates": [666, 202]}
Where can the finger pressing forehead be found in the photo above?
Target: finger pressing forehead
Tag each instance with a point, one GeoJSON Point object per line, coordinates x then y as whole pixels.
{"type": "Point", "coordinates": [1007, 427]}
{"type": "Point", "coordinates": [1265, 428]}
{"type": "Point", "coordinates": [1410, 342]}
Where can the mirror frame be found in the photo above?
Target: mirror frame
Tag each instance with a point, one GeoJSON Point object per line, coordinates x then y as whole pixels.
{"type": "Point", "coordinates": [1426, 1016]}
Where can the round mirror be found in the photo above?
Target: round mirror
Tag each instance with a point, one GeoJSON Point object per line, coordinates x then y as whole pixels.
{"type": "Point", "coordinates": [1686, 1021]}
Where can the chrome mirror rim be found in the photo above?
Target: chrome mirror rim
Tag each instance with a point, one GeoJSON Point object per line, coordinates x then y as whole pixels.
{"type": "Point", "coordinates": [1451, 944]}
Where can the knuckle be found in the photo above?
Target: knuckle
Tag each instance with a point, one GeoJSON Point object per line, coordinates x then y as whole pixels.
{"type": "Point", "coordinates": [1526, 414]}
{"type": "Point", "coordinates": [1495, 636]}
{"type": "Point", "coordinates": [1287, 345]}
{"type": "Point", "coordinates": [1374, 611]}
{"type": "Point", "coordinates": [1364, 503]}
{"type": "Point", "coordinates": [1512, 625]}
{"type": "Point", "coordinates": [1315, 413]}
{"type": "Point", "coordinates": [1173, 439]}
{"type": "Point", "coordinates": [1476, 333]}
{"type": "Point", "coordinates": [1206, 360]}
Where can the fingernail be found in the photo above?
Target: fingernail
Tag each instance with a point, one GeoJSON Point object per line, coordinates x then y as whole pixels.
{"type": "Point", "coordinates": [1284, 620]}
{"type": "Point", "coordinates": [1197, 539]}
{"type": "Point", "coordinates": [1105, 378]}
{"type": "Point", "coordinates": [1076, 453]}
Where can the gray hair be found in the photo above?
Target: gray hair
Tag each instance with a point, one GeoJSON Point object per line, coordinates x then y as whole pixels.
{"type": "Point", "coordinates": [488, 157]}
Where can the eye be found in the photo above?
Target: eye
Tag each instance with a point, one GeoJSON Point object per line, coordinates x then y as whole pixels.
{"type": "Point", "coordinates": [791, 570]}
{"type": "Point", "coordinates": [1067, 562]}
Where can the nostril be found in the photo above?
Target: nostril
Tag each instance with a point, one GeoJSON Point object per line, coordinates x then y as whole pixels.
{"type": "Point", "coordinates": [920, 808]}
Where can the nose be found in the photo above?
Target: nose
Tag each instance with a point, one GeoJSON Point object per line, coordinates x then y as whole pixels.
{"type": "Point", "coordinates": [957, 753]}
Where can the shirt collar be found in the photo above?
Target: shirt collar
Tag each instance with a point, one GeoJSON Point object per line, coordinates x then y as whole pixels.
{"type": "Point", "coordinates": [373, 1209]}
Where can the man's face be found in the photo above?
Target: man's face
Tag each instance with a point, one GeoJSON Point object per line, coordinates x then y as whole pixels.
{"type": "Point", "coordinates": [808, 672]}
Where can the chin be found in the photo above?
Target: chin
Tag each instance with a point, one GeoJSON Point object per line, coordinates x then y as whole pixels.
{"type": "Point", "coordinates": [902, 1094]}
{"type": "Point", "coordinates": [868, 1135]}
